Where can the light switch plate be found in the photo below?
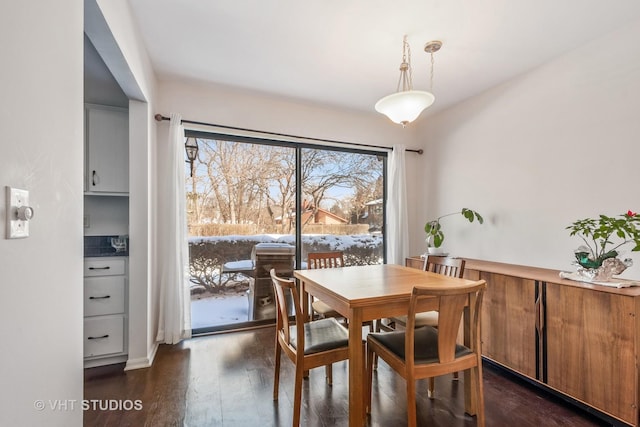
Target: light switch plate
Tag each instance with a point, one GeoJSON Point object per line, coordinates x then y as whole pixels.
{"type": "Point", "coordinates": [16, 228]}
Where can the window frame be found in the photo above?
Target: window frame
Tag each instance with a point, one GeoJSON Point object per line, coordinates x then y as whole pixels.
{"type": "Point", "coordinates": [299, 146]}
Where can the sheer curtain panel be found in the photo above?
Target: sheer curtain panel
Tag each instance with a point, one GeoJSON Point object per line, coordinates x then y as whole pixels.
{"type": "Point", "coordinates": [397, 232]}
{"type": "Point", "coordinates": [173, 253]}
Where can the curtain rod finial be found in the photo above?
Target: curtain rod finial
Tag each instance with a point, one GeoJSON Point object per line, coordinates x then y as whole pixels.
{"type": "Point", "coordinates": [420, 151]}
{"type": "Point", "coordinates": [159, 117]}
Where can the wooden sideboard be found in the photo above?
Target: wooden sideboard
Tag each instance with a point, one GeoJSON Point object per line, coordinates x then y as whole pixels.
{"type": "Point", "coordinates": [576, 339]}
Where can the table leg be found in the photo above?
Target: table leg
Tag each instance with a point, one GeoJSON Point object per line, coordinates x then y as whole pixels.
{"type": "Point", "coordinates": [356, 370]}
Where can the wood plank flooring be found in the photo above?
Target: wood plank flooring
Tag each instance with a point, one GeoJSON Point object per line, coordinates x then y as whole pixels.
{"type": "Point", "coordinates": [226, 380]}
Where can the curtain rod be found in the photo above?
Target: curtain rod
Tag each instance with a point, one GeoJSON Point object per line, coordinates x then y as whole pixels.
{"type": "Point", "coordinates": [160, 117]}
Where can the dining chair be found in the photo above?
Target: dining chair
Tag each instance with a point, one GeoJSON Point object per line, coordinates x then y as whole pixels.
{"type": "Point", "coordinates": [447, 266]}
{"type": "Point", "coordinates": [317, 260]}
{"type": "Point", "coordinates": [307, 344]}
{"type": "Point", "coordinates": [427, 352]}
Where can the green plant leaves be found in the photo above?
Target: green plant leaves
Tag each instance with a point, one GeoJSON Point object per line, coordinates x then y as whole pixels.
{"type": "Point", "coordinates": [434, 231]}
{"type": "Point", "coordinates": [438, 238]}
{"type": "Point", "coordinates": [471, 215]}
{"type": "Point", "coordinates": [597, 233]}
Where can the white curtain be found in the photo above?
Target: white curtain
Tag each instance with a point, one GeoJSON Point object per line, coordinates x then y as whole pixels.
{"type": "Point", "coordinates": [174, 320]}
{"type": "Point", "coordinates": [397, 231]}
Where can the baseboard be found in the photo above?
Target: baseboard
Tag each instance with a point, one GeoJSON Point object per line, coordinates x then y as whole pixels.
{"type": "Point", "coordinates": [92, 363]}
{"type": "Point", "coordinates": [142, 362]}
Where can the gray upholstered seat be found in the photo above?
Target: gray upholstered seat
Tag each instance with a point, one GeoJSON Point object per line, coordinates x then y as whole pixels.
{"type": "Point", "coordinates": [321, 335]}
{"type": "Point", "coordinates": [426, 344]}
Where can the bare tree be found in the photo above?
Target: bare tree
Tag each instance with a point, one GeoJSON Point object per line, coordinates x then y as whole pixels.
{"type": "Point", "coordinates": [239, 175]}
{"type": "Point", "coordinates": [245, 183]}
{"type": "Point", "coordinates": [323, 170]}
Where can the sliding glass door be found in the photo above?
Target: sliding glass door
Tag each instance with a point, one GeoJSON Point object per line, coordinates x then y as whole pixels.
{"type": "Point", "coordinates": [244, 199]}
{"type": "Point", "coordinates": [342, 204]}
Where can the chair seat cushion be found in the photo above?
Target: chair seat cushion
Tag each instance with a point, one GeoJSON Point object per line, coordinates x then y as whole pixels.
{"type": "Point", "coordinates": [323, 309]}
{"type": "Point", "coordinates": [321, 335]}
{"type": "Point", "coordinates": [428, 318]}
{"type": "Point", "coordinates": [426, 344]}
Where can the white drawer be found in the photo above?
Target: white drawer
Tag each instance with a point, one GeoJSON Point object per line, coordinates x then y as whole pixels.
{"type": "Point", "coordinates": [104, 295]}
{"type": "Point", "coordinates": [103, 335]}
{"type": "Point", "coordinates": [104, 267]}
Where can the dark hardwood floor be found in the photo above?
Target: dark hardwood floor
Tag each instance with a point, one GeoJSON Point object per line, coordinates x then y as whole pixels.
{"type": "Point", "coordinates": [226, 380]}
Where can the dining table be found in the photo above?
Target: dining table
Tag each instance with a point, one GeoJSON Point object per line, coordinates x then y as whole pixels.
{"type": "Point", "coordinates": [371, 292]}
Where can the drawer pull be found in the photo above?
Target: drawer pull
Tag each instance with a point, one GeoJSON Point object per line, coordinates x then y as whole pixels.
{"type": "Point", "coordinates": [99, 268]}
{"type": "Point", "coordinates": [98, 338]}
{"type": "Point", "coordinates": [104, 297]}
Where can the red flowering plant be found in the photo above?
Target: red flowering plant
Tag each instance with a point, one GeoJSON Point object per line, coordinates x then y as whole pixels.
{"type": "Point", "coordinates": [603, 237]}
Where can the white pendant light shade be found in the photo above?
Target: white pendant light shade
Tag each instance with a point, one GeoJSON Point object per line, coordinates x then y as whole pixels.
{"type": "Point", "coordinates": [404, 107]}
{"type": "Point", "coordinates": [406, 104]}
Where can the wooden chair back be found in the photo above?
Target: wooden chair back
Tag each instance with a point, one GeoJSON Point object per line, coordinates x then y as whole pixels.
{"type": "Point", "coordinates": [453, 267]}
{"type": "Point", "coordinates": [317, 260]}
{"type": "Point", "coordinates": [451, 303]}
{"type": "Point", "coordinates": [286, 295]}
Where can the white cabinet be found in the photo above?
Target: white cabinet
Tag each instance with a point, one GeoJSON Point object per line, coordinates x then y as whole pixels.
{"type": "Point", "coordinates": [105, 310]}
{"type": "Point", "coordinates": [107, 150]}
{"type": "Point", "coordinates": [103, 336]}
{"type": "Point", "coordinates": [104, 295]}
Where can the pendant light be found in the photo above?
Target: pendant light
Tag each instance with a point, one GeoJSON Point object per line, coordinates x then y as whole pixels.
{"type": "Point", "coordinates": [405, 105]}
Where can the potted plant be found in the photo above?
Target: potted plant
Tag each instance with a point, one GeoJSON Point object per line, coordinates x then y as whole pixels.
{"type": "Point", "coordinates": [598, 257]}
{"type": "Point", "coordinates": [433, 228]}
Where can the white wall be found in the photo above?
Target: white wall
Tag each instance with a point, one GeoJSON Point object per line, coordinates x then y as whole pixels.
{"type": "Point", "coordinates": [557, 144]}
{"type": "Point", "coordinates": [41, 149]}
{"type": "Point", "coordinates": [99, 85]}
{"type": "Point", "coordinates": [233, 107]}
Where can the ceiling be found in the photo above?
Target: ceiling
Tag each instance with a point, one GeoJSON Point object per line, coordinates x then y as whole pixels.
{"type": "Point", "coordinates": [347, 53]}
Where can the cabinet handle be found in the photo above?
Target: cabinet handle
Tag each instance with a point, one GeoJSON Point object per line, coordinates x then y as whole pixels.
{"type": "Point", "coordinates": [93, 178]}
{"type": "Point", "coordinates": [99, 268]}
{"type": "Point", "coordinates": [539, 309]}
{"type": "Point", "coordinates": [98, 338]}
{"type": "Point", "coordinates": [538, 317]}
{"type": "Point", "coordinates": [104, 297]}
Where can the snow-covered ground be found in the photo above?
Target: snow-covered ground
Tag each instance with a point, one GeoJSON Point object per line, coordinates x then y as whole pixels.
{"type": "Point", "coordinates": [218, 311]}
{"type": "Point", "coordinates": [233, 308]}
{"type": "Point", "coordinates": [336, 242]}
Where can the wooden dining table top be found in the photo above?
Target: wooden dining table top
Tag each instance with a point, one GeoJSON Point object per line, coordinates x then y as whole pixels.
{"type": "Point", "coordinates": [372, 284]}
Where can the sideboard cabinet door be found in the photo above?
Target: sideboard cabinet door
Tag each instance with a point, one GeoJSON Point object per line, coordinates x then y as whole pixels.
{"type": "Point", "coordinates": [590, 348]}
{"type": "Point", "coordinates": [509, 322]}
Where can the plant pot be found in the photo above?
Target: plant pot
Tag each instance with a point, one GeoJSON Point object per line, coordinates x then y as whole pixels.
{"type": "Point", "coordinates": [609, 268]}
{"type": "Point", "coordinates": [431, 250]}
